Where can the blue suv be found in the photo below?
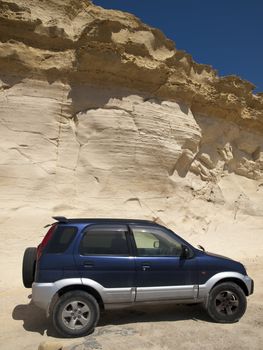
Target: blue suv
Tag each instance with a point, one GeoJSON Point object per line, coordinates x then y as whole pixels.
{"type": "Point", "coordinates": [83, 266]}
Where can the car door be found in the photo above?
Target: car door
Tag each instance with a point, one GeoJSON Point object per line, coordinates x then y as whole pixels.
{"type": "Point", "coordinates": [161, 271]}
{"type": "Point", "coordinates": [103, 256]}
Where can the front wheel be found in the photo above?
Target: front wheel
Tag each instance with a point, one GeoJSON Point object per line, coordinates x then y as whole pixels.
{"type": "Point", "coordinates": [75, 314]}
{"type": "Point", "coordinates": [226, 303]}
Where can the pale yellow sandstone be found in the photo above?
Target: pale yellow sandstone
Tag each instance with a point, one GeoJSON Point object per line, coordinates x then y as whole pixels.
{"type": "Point", "coordinates": [101, 116]}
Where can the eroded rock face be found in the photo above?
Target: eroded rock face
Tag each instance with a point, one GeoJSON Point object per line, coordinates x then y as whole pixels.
{"type": "Point", "coordinates": [115, 138]}
{"type": "Point", "coordinates": [75, 41]}
{"type": "Point", "coordinates": [227, 148]}
{"type": "Point", "coordinates": [102, 116]}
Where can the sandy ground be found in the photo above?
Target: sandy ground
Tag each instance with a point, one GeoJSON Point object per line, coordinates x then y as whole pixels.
{"type": "Point", "coordinates": [23, 326]}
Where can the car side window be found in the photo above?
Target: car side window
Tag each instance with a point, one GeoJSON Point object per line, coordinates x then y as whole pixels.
{"type": "Point", "coordinates": [104, 240]}
{"type": "Point", "coordinates": [155, 242]}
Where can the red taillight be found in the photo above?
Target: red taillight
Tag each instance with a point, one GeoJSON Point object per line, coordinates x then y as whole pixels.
{"type": "Point", "coordinates": [45, 240]}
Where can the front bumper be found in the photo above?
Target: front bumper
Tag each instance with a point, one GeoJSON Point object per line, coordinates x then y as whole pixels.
{"type": "Point", "coordinates": [250, 284]}
{"type": "Point", "coordinates": [252, 287]}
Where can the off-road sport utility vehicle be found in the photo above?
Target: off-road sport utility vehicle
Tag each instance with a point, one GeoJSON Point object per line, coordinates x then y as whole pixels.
{"type": "Point", "coordinates": [85, 265]}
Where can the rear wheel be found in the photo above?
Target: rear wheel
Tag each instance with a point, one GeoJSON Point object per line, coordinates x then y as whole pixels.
{"type": "Point", "coordinates": [227, 303]}
{"type": "Point", "coordinates": [75, 314]}
{"type": "Point", "coordinates": [29, 265]}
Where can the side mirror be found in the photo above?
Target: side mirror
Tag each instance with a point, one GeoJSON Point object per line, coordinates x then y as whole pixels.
{"type": "Point", "coordinates": [156, 244]}
{"type": "Point", "coordinates": [185, 252]}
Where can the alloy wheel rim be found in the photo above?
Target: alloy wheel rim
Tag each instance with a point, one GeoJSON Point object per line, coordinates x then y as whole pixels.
{"type": "Point", "coordinates": [226, 302]}
{"type": "Point", "coordinates": [76, 315]}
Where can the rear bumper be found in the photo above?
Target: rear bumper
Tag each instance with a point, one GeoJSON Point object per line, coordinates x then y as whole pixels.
{"type": "Point", "coordinates": [43, 293]}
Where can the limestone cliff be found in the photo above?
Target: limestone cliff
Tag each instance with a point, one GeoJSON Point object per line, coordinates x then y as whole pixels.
{"type": "Point", "coordinates": [102, 116]}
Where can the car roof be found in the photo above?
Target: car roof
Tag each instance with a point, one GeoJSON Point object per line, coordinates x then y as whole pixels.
{"type": "Point", "coordinates": [64, 220]}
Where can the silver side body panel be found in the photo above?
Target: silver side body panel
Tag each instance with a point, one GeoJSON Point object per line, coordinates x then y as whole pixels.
{"type": "Point", "coordinates": [204, 289]}
{"type": "Point", "coordinates": [43, 293]}
{"type": "Point", "coordinates": [111, 295]}
{"type": "Point", "coordinates": [166, 293]}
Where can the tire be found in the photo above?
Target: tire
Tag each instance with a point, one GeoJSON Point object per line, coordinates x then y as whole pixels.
{"type": "Point", "coordinates": [75, 314]}
{"type": "Point", "coordinates": [29, 266]}
{"type": "Point", "coordinates": [227, 303]}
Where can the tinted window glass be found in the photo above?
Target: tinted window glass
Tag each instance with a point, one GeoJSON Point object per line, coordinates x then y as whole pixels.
{"type": "Point", "coordinates": [61, 239]}
{"type": "Point", "coordinates": [155, 242]}
{"type": "Point", "coordinates": [104, 241]}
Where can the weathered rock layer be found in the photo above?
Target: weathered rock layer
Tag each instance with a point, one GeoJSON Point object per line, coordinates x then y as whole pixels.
{"type": "Point", "coordinates": [75, 41]}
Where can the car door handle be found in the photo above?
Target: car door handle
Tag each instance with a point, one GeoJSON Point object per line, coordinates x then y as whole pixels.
{"type": "Point", "coordinates": [146, 267]}
{"type": "Point", "coordinates": [88, 265]}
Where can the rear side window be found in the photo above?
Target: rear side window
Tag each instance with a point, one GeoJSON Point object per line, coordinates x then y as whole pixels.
{"type": "Point", "coordinates": [104, 240]}
{"type": "Point", "coordinates": [61, 239]}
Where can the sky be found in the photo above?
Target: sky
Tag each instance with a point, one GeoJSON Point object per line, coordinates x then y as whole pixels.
{"type": "Point", "coordinates": [226, 34]}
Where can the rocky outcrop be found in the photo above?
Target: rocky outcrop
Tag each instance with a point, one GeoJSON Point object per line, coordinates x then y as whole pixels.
{"type": "Point", "coordinates": [102, 115]}
{"type": "Point", "coordinates": [76, 42]}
